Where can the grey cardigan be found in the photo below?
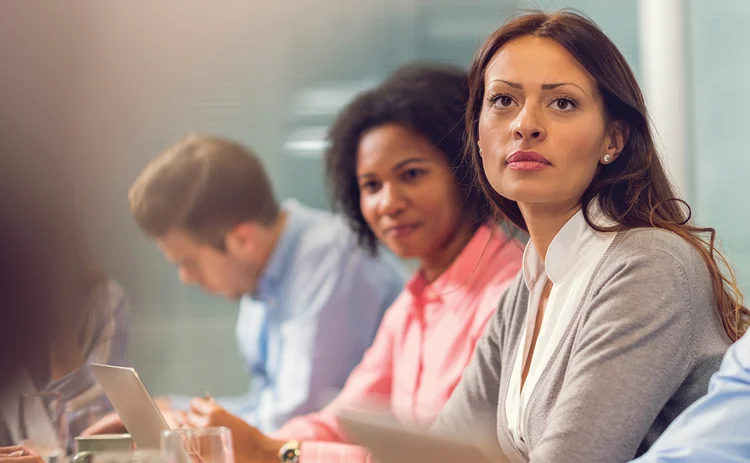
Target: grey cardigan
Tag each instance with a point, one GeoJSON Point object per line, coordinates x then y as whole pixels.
{"type": "Point", "coordinates": [641, 347]}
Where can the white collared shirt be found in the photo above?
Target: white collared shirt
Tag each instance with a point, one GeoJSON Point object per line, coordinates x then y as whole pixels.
{"type": "Point", "coordinates": [571, 260]}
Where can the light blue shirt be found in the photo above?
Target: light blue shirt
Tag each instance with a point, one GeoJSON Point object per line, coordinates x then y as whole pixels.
{"type": "Point", "coordinates": [318, 305]}
{"type": "Point", "coordinates": [716, 428]}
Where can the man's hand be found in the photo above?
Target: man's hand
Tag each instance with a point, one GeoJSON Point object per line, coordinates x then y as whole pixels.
{"type": "Point", "coordinates": [19, 454]}
{"type": "Point", "coordinates": [250, 445]}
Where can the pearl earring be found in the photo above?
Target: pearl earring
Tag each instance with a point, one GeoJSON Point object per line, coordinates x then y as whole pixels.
{"type": "Point", "coordinates": [607, 158]}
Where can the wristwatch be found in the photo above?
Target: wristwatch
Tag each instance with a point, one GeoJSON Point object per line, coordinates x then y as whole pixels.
{"type": "Point", "coordinates": [290, 452]}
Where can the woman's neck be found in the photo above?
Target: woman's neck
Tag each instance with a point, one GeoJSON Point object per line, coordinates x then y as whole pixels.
{"type": "Point", "coordinates": [65, 357]}
{"type": "Point", "coordinates": [438, 262]}
{"type": "Point", "coordinates": [544, 221]}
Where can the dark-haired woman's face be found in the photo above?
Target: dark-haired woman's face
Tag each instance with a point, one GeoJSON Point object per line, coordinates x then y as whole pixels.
{"type": "Point", "coordinates": [408, 193]}
{"type": "Point", "coordinates": [542, 127]}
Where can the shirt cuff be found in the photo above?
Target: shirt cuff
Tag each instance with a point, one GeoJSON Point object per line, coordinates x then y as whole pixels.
{"type": "Point", "coordinates": [332, 452]}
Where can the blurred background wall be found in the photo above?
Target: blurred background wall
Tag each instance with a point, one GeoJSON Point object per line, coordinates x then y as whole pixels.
{"type": "Point", "coordinates": [273, 75]}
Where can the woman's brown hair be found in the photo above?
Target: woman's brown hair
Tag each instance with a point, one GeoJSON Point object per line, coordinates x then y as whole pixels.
{"type": "Point", "coordinates": [48, 278]}
{"type": "Point", "coordinates": [634, 189]}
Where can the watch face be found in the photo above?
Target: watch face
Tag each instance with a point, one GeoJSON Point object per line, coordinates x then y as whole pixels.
{"type": "Point", "coordinates": [290, 453]}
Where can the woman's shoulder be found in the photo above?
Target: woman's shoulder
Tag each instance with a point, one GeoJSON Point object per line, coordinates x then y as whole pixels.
{"type": "Point", "coordinates": [651, 264]}
{"type": "Point", "coordinates": [109, 299]}
{"type": "Point", "coordinates": [113, 291]}
{"type": "Point", "coordinates": [660, 248]}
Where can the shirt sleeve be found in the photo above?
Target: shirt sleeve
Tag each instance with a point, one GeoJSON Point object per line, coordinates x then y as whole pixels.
{"type": "Point", "coordinates": [85, 400]}
{"type": "Point", "coordinates": [368, 383]}
{"type": "Point", "coordinates": [328, 452]}
{"type": "Point", "coordinates": [334, 308]}
{"type": "Point", "coordinates": [111, 340]}
{"type": "Point", "coordinates": [716, 427]}
{"type": "Point", "coordinates": [633, 352]}
{"type": "Point", "coordinates": [472, 408]}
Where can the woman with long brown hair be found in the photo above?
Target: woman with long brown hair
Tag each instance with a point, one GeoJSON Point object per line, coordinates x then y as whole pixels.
{"type": "Point", "coordinates": [61, 310]}
{"type": "Point", "coordinates": [91, 320]}
{"type": "Point", "coordinates": [58, 310]}
{"type": "Point", "coordinates": [624, 307]}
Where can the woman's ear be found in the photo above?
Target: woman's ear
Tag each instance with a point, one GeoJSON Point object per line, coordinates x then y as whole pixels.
{"type": "Point", "coordinates": [619, 131]}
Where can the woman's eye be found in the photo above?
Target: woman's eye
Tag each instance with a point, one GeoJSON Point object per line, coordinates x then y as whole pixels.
{"type": "Point", "coordinates": [369, 186]}
{"type": "Point", "coordinates": [502, 101]}
{"type": "Point", "coordinates": [564, 104]}
{"type": "Point", "coordinates": [413, 174]}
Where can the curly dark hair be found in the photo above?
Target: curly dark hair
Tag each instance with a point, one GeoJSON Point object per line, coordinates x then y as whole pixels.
{"type": "Point", "coordinates": [429, 99]}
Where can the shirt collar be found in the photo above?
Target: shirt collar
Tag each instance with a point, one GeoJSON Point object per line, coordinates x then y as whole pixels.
{"type": "Point", "coordinates": [284, 248]}
{"type": "Point", "coordinates": [484, 242]}
{"type": "Point", "coordinates": [569, 245]}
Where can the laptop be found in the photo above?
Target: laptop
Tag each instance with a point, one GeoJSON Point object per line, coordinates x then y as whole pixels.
{"type": "Point", "coordinates": [133, 403]}
{"type": "Point", "coordinates": [389, 441]}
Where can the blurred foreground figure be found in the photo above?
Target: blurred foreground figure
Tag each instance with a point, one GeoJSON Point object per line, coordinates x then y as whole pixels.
{"type": "Point", "coordinates": [39, 285]}
{"type": "Point", "coordinates": [39, 62]}
{"type": "Point", "coordinates": [26, 306]}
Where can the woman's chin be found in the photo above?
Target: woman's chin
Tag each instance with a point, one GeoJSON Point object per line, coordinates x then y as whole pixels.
{"type": "Point", "coordinates": [407, 251]}
{"type": "Point", "coordinates": [529, 195]}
